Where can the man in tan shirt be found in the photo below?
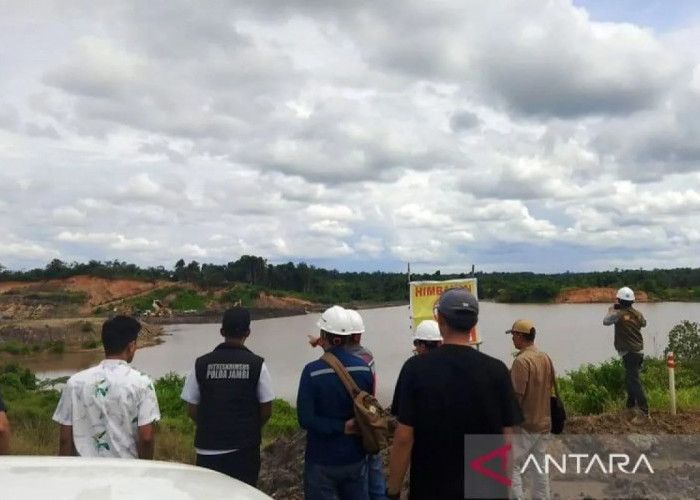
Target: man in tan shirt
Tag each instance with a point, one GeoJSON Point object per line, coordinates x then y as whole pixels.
{"type": "Point", "coordinates": [532, 375]}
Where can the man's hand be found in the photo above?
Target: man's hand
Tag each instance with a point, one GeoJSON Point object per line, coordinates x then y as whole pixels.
{"type": "Point", "coordinates": [4, 434]}
{"type": "Point", "coordinates": [66, 446]}
{"type": "Point", "coordinates": [146, 442]}
{"type": "Point", "coordinates": [351, 427]}
{"type": "Point", "coordinates": [314, 341]}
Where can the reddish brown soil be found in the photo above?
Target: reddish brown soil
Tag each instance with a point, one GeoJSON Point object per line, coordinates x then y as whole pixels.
{"type": "Point", "coordinates": [594, 295]}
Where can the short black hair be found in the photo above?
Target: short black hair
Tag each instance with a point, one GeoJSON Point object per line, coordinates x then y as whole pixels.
{"type": "Point", "coordinates": [625, 303]}
{"type": "Point", "coordinates": [118, 332]}
{"type": "Point", "coordinates": [236, 323]}
{"type": "Point", "coordinates": [429, 344]}
{"type": "Point", "coordinates": [462, 323]}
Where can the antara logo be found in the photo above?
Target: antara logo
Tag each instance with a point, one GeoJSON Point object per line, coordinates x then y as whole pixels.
{"type": "Point", "coordinates": [572, 463]}
{"type": "Point", "coordinates": [585, 464]}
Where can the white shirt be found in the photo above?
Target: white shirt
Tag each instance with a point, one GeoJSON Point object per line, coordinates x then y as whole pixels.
{"type": "Point", "coordinates": [190, 393]}
{"type": "Point", "coordinates": [106, 404]}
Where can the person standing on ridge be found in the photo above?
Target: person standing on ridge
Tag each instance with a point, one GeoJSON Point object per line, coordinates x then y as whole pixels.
{"type": "Point", "coordinates": [4, 429]}
{"type": "Point", "coordinates": [110, 410]}
{"type": "Point", "coordinates": [532, 374]}
{"type": "Point", "coordinates": [629, 343]}
{"type": "Point", "coordinates": [375, 473]}
{"type": "Point", "coordinates": [449, 399]}
{"type": "Point", "coordinates": [335, 463]}
{"type": "Point", "coordinates": [229, 395]}
{"type": "Point", "coordinates": [426, 338]}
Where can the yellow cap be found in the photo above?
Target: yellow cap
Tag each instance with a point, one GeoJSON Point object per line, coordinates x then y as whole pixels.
{"type": "Point", "coordinates": [524, 326]}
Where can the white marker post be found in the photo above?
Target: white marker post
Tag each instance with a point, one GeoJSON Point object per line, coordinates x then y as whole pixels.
{"type": "Point", "coordinates": [671, 363]}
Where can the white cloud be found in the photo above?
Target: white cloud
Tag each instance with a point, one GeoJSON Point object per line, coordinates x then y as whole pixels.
{"type": "Point", "coordinates": [505, 132]}
{"type": "Point", "coordinates": [112, 241]}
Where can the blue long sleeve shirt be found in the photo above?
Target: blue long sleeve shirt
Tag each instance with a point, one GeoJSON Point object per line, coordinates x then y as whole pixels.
{"type": "Point", "coordinates": [323, 407]}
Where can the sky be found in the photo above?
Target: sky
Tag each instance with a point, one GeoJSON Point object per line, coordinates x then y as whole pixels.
{"type": "Point", "coordinates": [515, 135]}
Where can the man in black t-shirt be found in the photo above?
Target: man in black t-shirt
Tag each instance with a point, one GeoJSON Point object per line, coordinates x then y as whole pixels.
{"type": "Point", "coordinates": [444, 397]}
{"type": "Point", "coordinates": [4, 430]}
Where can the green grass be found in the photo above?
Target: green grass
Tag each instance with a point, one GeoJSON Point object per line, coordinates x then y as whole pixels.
{"type": "Point", "coordinates": [145, 302]}
{"type": "Point", "coordinates": [601, 388]}
{"type": "Point", "coordinates": [31, 406]}
{"type": "Point", "coordinates": [188, 300]}
{"type": "Point", "coordinates": [20, 348]}
{"type": "Point", "coordinates": [245, 293]}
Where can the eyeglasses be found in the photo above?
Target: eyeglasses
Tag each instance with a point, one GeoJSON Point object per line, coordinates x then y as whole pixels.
{"type": "Point", "coordinates": [417, 342]}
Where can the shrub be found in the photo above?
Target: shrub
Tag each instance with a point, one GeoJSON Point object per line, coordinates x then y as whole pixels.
{"type": "Point", "coordinates": [15, 348]}
{"type": "Point", "coordinates": [56, 347]}
{"type": "Point", "coordinates": [90, 344]}
{"type": "Point", "coordinates": [20, 377]}
{"type": "Point", "coordinates": [684, 341]}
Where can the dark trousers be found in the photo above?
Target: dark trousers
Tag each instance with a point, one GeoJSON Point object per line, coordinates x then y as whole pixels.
{"type": "Point", "coordinates": [243, 464]}
{"type": "Point", "coordinates": [331, 482]}
{"type": "Point", "coordinates": [633, 383]}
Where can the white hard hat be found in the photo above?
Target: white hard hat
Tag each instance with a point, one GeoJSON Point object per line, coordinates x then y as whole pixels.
{"type": "Point", "coordinates": [357, 325]}
{"type": "Point", "coordinates": [625, 293]}
{"type": "Point", "coordinates": [336, 320]}
{"type": "Point", "coordinates": [428, 330]}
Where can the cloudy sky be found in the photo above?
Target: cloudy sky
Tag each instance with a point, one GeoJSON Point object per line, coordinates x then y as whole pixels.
{"type": "Point", "coordinates": [512, 134]}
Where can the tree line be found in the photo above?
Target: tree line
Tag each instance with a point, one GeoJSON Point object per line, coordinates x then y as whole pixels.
{"type": "Point", "coordinates": [324, 285]}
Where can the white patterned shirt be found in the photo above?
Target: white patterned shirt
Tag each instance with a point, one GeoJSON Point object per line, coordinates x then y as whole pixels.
{"type": "Point", "coordinates": [106, 404]}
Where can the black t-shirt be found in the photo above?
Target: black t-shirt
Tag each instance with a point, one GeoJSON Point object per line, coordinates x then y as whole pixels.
{"type": "Point", "coordinates": [2, 404]}
{"type": "Point", "coordinates": [446, 395]}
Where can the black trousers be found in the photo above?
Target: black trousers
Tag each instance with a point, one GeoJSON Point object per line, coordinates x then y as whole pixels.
{"type": "Point", "coordinates": [633, 383]}
{"type": "Point", "coordinates": [243, 464]}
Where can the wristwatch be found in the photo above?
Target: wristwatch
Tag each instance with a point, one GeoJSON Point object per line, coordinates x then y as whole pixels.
{"type": "Point", "coordinates": [394, 496]}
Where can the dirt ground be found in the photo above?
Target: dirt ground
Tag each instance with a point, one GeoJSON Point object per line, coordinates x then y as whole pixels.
{"type": "Point", "coordinates": [594, 295]}
{"type": "Point", "coordinates": [687, 422]}
{"type": "Point", "coordinates": [283, 460]}
{"type": "Point", "coordinates": [73, 332]}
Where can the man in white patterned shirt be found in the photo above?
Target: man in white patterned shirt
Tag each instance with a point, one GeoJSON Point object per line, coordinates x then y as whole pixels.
{"type": "Point", "coordinates": [109, 410]}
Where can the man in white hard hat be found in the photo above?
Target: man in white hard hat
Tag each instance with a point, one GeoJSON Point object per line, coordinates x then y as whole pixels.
{"type": "Point", "coordinates": [427, 337]}
{"type": "Point", "coordinates": [532, 374]}
{"type": "Point", "coordinates": [335, 463]}
{"type": "Point", "coordinates": [629, 343]}
{"type": "Point", "coordinates": [375, 474]}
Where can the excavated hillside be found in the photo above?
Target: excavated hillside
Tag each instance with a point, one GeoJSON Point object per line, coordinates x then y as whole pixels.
{"type": "Point", "coordinates": [594, 295]}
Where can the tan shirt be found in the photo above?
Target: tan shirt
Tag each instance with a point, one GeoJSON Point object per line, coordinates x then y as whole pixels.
{"type": "Point", "coordinates": [531, 374]}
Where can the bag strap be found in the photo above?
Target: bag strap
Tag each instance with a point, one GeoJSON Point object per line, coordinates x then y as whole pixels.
{"type": "Point", "coordinates": [554, 377]}
{"type": "Point", "coordinates": [345, 377]}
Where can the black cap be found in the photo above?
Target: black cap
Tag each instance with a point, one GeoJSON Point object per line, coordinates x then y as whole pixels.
{"type": "Point", "coordinates": [459, 307]}
{"type": "Point", "coordinates": [236, 322]}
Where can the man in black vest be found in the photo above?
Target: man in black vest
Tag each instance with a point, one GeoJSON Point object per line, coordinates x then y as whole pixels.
{"type": "Point", "coordinates": [229, 396]}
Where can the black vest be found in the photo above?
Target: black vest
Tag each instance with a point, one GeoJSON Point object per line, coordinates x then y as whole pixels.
{"type": "Point", "coordinates": [228, 416]}
{"type": "Point", "coordinates": [628, 331]}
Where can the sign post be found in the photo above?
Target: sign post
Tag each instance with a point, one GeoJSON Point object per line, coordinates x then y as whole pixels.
{"type": "Point", "coordinates": [425, 294]}
{"type": "Point", "coordinates": [671, 363]}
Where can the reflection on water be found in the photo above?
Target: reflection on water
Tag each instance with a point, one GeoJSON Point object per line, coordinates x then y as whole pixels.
{"type": "Point", "coordinates": [573, 334]}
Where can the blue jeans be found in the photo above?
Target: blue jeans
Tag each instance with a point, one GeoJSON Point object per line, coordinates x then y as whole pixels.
{"type": "Point", "coordinates": [328, 482]}
{"type": "Point", "coordinates": [375, 478]}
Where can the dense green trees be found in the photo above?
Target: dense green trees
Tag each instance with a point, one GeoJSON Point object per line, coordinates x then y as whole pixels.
{"type": "Point", "coordinates": [325, 285]}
